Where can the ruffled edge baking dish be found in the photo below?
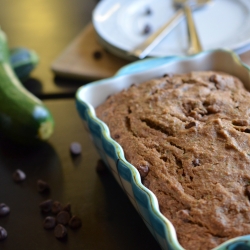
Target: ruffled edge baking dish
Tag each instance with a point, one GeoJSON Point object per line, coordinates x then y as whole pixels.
{"type": "Point", "coordinates": [91, 95]}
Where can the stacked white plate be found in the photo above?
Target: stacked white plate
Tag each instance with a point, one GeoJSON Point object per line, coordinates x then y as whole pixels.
{"type": "Point", "coordinates": [120, 26]}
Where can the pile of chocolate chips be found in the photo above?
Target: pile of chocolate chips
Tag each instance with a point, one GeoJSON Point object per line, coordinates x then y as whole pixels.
{"type": "Point", "coordinates": [59, 217]}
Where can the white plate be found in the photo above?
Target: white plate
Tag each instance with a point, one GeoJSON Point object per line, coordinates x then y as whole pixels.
{"type": "Point", "coordinates": [222, 24]}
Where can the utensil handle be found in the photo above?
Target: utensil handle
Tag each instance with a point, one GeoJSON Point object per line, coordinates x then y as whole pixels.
{"type": "Point", "coordinates": [195, 45]}
{"type": "Point", "coordinates": [146, 47]}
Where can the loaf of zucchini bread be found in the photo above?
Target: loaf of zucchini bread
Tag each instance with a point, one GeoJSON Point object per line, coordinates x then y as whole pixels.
{"type": "Point", "coordinates": [189, 137]}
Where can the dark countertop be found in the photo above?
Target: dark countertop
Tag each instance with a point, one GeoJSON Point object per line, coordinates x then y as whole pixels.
{"type": "Point", "coordinates": [109, 221]}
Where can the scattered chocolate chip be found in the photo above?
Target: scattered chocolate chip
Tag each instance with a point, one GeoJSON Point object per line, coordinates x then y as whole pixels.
{"type": "Point", "coordinates": [19, 175]}
{"type": "Point", "coordinates": [75, 222]}
{"type": "Point", "coordinates": [97, 54]}
{"type": "Point", "coordinates": [248, 192]}
{"type": "Point", "coordinates": [46, 206]}
{"type": "Point", "coordinates": [63, 217]}
{"type": "Point", "coordinates": [60, 231]}
{"type": "Point", "coordinates": [196, 162]}
{"type": "Point", "coordinates": [247, 130]}
{"type": "Point", "coordinates": [240, 122]}
{"type": "Point", "coordinates": [3, 233]}
{"type": "Point", "coordinates": [101, 167]}
{"type": "Point", "coordinates": [190, 125]}
{"type": "Point", "coordinates": [148, 11]}
{"type": "Point", "coordinates": [143, 170]}
{"type": "Point", "coordinates": [67, 208]}
{"type": "Point", "coordinates": [4, 209]}
{"type": "Point", "coordinates": [42, 186]}
{"type": "Point", "coordinates": [49, 222]}
{"type": "Point", "coordinates": [75, 148]}
{"type": "Point", "coordinates": [146, 29]}
{"type": "Point", "coordinates": [56, 207]}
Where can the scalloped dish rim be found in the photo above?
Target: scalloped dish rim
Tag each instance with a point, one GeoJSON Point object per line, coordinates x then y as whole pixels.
{"type": "Point", "coordinates": [136, 69]}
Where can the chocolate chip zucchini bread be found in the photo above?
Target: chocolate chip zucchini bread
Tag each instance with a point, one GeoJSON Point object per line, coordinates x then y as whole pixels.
{"type": "Point", "coordinates": [189, 137]}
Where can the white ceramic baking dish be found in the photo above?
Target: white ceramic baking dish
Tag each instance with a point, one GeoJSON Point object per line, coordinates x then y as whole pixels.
{"type": "Point", "coordinates": [91, 95]}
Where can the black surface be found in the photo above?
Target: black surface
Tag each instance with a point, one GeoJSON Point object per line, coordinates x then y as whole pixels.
{"type": "Point", "coordinates": [109, 221]}
{"type": "Point", "coordinates": [46, 27]}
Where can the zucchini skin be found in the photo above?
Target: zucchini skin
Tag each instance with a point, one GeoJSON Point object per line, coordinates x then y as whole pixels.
{"type": "Point", "coordinates": [23, 117]}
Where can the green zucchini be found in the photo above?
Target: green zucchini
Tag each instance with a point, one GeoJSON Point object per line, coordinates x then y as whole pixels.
{"type": "Point", "coordinates": [23, 117]}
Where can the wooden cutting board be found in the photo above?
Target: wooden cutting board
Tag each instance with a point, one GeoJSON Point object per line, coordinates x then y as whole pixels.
{"type": "Point", "coordinates": [78, 61]}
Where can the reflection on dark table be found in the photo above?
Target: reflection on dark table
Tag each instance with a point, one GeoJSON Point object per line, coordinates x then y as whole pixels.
{"type": "Point", "coordinates": [46, 27]}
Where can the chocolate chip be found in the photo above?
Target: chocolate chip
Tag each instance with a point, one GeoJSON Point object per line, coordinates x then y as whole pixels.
{"type": "Point", "coordinates": [146, 183]}
{"type": "Point", "coordinates": [248, 192]}
{"type": "Point", "coordinates": [168, 75]}
{"type": "Point", "coordinates": [101, 167]}
{"type": "Point", "coordinates": [196, 162]}
{"type": "Point", "coordinates": [247, 130]}
{"type": "Point", "coordinates": [75, 148]}
{"type": "Point", "coordinates": [190, 125]}
{"type": "Point", "coordinates": [67, 208]}
{"type": "Point", "coordinates": [116, 136]}
{"type": "Point", "coordinates": [97, 54]}
{"type": "Point", "coordinates": [46, 206]}
{"type": "Point", "coordinates": [56, 207]}
{"type": "Point", "coordinates": [60, 231]}
{"type": "Point", "coordinates": [75, 222]}
{"type": "Point", "coordinates": [42, 186]}
{"type": "Point", "coordinates": [146, 29]}
{"type": "Point", "coordinates": [63, 217]}
{"type": "Point", "coordinates": [240, 122]}
{"type": "Point", "coordinates": [4, 209]}
{"type": "Point", "coordinates": [143, 170]}
{"type": "Point", "coordinates": [3, 233]}
{"type": "Point", "coordinates": [213, 78]}
{"type": "Point", "coordinates": [19, 175]}
{"type": "Point", "coordinates": [49, 222]}
{"type": "Point", "coordinates": [148, 11]}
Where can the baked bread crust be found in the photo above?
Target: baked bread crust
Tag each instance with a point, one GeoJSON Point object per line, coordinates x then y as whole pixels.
{"type": "Point", "coordinates": [189, 137]}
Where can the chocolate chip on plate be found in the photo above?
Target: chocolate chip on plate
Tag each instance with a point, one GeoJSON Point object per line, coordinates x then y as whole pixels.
{"type": "Point", "coordinates": [60, 231]}
{"type": "Point", "coordinates": [49, 222]}
{"type": "Point", "coordinates": [148, 11]}
{"type": "Point", "coordinates": [75, 148]}
{"type": "Point", "coordinates": [56, 207]}
{"type": "Point", "coordinates": [63, 217]}
{"type": "Point", "coordinates": [75, 222]}
{"type": "Point", "coordinates": [4, 209]}
{"type": "Point", "coordinates": [46, 206]}
{"type": "Point", "coordinates": [3, 233]}
{"type": "Point", "coordinates": [19, 175]}
{"type": "Point", "coordinates": [146, 29]}
{"type": "Point", "coordinates": [42, 186]}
